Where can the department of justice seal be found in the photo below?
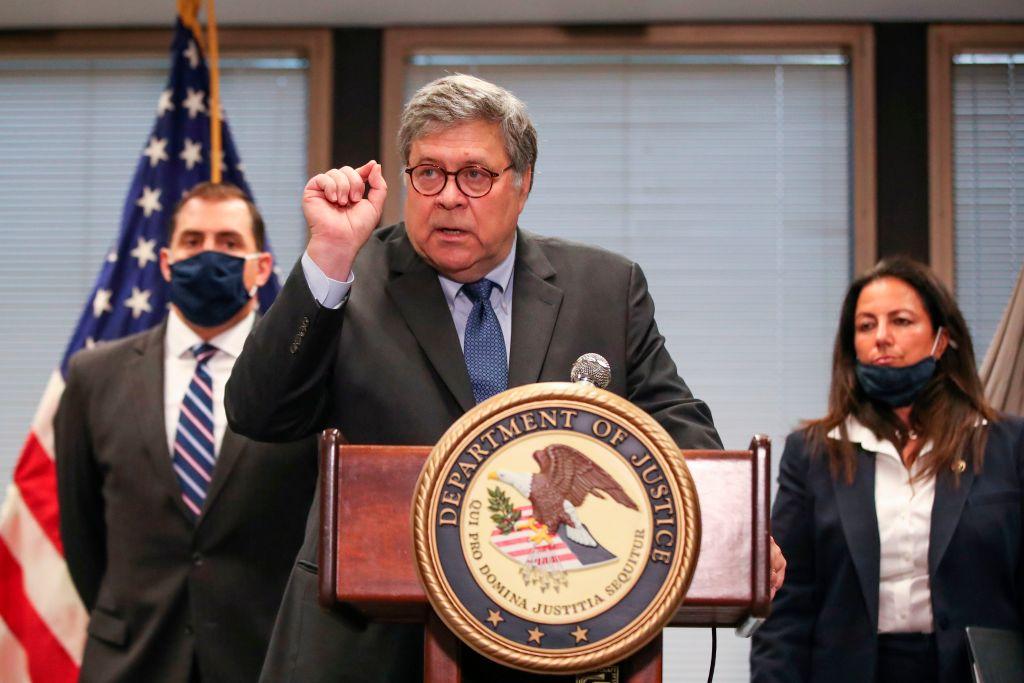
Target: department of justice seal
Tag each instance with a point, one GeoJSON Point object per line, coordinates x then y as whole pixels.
{"type": "Point", "coordinates": [556, 528]}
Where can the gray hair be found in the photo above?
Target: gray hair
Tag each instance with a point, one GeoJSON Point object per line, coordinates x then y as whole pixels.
{"type": "Point", "coordinates": [461, 98]}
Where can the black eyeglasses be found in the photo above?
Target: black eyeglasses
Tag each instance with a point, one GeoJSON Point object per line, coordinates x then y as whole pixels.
{"type": "Point", "coordinates": [472, 181]}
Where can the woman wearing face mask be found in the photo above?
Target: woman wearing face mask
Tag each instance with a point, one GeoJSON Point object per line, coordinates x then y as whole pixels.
{"type": "Point", "coordinates": [900, 511]}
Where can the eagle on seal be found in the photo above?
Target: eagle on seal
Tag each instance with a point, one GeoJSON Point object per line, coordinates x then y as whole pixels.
{"type": "Point", "coordinates": [565, 479]}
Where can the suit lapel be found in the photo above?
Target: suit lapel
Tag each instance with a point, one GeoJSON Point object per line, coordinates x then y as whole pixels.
{"type": "Point", "coordinates": [230, 448]}
{"type": "Point", "coordinates": [535, 304]}
{"type": "Point", "coordinates": [946, 510]}
{"type": "Point", "coordinates": [856, 503]}
{"type": "Point", "coordinates": [418, 297]}
{"type": "Point", "coordinates": [148, 375]}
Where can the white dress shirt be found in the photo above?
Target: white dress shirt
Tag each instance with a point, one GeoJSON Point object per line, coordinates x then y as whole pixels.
{"type": "Point", "coordinates": [903, 505]}
{"type": "Point", "coordinates": [180, 367]}
{"type": "Point", "coordinates": [331, 293]}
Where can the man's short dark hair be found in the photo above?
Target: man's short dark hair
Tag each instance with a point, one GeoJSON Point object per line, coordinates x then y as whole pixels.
{"type": "Point", "coordinates": [219, 192]}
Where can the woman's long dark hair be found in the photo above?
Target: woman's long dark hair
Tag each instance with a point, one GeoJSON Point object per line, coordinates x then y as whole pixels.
{"type": "Point", "coordinates": [947, 411]}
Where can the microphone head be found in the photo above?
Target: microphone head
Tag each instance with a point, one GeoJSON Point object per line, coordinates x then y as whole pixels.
{"type": "Point", "coordinates": [591, 368]}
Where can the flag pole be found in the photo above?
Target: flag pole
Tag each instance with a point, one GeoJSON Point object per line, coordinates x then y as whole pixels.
{"type": "Point", "coordinates": [216, 147]}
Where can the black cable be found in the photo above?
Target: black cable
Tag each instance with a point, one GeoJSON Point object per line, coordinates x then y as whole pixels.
{"type": "Point", "coordinates": [714, 652]}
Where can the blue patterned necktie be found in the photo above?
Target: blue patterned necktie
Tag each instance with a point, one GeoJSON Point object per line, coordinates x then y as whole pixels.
{"type": "Point", "coordinates": [484, 344]}
{"type": "Point", "coordinates": [194, 449]}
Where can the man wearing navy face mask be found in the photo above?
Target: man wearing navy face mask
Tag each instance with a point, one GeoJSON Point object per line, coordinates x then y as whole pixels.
{"type": "Point", "coordinates": [179, 533]}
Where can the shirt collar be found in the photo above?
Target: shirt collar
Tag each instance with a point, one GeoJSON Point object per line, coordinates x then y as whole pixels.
{"type": "Point", "coordinates": [859, 434]}
{"type": "Point", "coordinates": [180, 338]}
{"type": "Point", "coordinates": [501, 276]}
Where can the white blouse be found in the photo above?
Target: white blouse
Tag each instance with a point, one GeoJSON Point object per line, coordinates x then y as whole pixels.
{"type": "Point", "coordinates": [903, 505]}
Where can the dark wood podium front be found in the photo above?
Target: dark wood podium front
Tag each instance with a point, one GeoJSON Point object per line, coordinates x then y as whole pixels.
{"type": "Point", "coordinates": [366, 548]}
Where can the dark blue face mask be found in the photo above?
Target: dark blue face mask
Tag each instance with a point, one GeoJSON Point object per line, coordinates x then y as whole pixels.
{"type": "Point", "coordinates": [897, 387]}
{"type": "Point", "coordinates": [208, 288]}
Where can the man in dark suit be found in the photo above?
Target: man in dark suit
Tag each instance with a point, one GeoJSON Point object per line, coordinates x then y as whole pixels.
{"type": "Point", "coordinates": [382, 333]}
{"type": "Point", "coordinates": [179, 534]}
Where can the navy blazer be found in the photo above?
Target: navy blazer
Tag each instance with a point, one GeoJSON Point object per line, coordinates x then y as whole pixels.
{"type": "Point", "coordinates": [824, 620]}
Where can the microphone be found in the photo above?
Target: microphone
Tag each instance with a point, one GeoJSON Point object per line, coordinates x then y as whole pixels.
{"type": "Point", "coordinates": [591, 368]}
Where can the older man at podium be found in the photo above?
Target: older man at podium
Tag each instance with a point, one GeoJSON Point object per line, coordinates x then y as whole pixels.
{"type": "Point", "coordinates": [391, 335]}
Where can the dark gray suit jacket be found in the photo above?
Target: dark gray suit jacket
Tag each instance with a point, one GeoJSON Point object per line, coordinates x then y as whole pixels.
{"type": "Point", "coordinates": [161, 590]}
{"type": "Point", "coordinates": [824, 621]}
{"type": "Point", "coordinates": [387, 368]}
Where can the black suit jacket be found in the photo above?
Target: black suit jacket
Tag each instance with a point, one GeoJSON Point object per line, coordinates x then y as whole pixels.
{"type": "Point", "coordinates": [161, 590]}
{"type": "Point", "coordinates": [387, 368]}
{"type": "Point", "coordinates": [824, 620]}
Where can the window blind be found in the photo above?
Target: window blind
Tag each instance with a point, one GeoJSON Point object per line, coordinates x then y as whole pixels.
{"type": "Point", "coordinates": [71, 132]}
{"type": "Point", "coordinates": [988, 186]}
{"type": "Point", "coordinates": [727, 178]}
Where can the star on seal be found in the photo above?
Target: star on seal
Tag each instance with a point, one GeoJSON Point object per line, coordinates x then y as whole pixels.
{"type": "Point", "coordinates": [494, 616]}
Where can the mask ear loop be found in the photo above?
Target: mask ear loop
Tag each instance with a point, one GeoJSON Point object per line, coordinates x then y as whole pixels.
{"type": "Point", "coordinates": [935, 344]}
{"type": "Point", "coordinates": [256, 288]}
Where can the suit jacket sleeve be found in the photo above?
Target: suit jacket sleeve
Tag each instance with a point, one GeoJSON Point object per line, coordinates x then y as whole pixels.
{"type": "Point", "coordinates": [79, 489]}
{"type": "Point", "coordinates": [279, 389]}
{"type": "Point", "coordinates": [781, 648]}
{"type": "Point", "coordinates": [653, 381]}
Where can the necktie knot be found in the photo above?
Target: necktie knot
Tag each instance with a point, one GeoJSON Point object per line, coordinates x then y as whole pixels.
{"type": "Point", "coordinates": [479, 290]}
{"type": "Point", "coordinates": [203, 352]}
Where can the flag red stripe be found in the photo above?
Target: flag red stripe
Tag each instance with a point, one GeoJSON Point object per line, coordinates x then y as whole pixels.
{"type": "Point", "coordinates": [36, 478]}
{"type": "Point", "coordinates": [47, 660]}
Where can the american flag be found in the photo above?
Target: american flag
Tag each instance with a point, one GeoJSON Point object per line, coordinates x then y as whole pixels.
{"type": "Point", "coordinates": [42, 621]}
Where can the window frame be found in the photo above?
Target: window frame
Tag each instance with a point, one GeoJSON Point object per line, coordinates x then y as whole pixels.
{"type": "Point", "coordinates": [314, 45]}
{"type": "Point", "coordinates": [855, 40]}
{"type": "Point", "coordinates": [945, 41]}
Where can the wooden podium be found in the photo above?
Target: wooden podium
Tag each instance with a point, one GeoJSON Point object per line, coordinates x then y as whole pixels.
{"type": "Point", "coordinates": [366, 549]}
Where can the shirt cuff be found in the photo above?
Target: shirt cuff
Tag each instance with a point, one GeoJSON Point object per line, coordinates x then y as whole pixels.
{"type": "Point", "coordinates": [327, 292]}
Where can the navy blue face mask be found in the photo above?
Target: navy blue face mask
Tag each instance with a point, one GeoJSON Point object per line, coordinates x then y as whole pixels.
{"type": "Point", "coordinates": [208, 288]}
{"type": "Point", "coordinates": [897, 387]}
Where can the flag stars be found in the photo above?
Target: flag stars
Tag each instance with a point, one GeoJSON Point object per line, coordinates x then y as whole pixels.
{"type": "Point", "coordinates": [165, 104]}
{"type": "Point", "coordinates": [192, 153]}
{"type": "Point", "coordinates": [535, 635]}
{"type": "Point", "coordinates": [194, 102]}
{"type": "Point", "coordinates": [112, 257]}
{"type": "Point", "coordinates": [494, 616]}
{"type": "Point", "coordinates": [101, 302]}
{"type": "Point", "coordinates": [156, 151]}
{"type": "Point", "coordinates": [150, 201]}
{"type": "Point", "coordinates": [139, 302]}
{"type": "Point", "coordinates": [580, 634]}
{"type": "Point", "coordinates": [192, 54]}
{"type": "Point", "coordinates": [144, 252]}
{"type": "Point", "coordinates": [90, 343]}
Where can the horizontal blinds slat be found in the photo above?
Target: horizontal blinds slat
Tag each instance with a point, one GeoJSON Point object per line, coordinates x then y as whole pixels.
{"type": "Point", "coordinates": [988, 191]}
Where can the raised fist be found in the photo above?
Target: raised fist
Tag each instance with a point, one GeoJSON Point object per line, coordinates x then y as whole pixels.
{"type": "Point", "coordinates": [341, 215]}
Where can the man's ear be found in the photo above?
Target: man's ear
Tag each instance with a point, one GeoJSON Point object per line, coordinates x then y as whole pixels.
{"type": "Point", "coordinates": [165, 263]}
{"type": "Point", "coordinates": [264, 268]}
{"type": "Point", "coordinates": [524, 189]}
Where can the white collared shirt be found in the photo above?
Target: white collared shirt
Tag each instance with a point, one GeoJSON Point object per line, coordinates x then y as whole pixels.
{"type": "Point", "coordinates": [180, 366]}
{"type": "Point", "coordinates": [903, 505]}
{"type": "Point", "coordinates": [331, 293]}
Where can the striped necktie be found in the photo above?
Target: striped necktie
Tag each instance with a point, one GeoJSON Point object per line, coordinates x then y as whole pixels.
{"type": "Point", "coordinates": [194, 449]}
{"type": "Point", "coordinates": [484, 344]}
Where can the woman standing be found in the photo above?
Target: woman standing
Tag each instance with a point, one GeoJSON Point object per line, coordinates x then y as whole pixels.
{"type": "Point", "coordinates": [899, 511]}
